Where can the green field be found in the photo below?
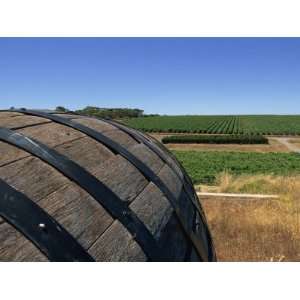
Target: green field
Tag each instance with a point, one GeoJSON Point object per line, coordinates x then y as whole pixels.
{"type": "Point", "coordinates": [263, 124]}
{"type": "Point", "coordinates": [203, 167]}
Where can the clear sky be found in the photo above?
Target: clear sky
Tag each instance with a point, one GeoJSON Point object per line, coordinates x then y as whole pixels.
{"type": "Point", "coordinates": [159, 75]}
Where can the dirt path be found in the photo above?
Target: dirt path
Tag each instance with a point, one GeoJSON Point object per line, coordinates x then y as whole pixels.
{"type": "Point", "coordinates": [286, 142]}
{"type": "Point", "coordinates": [230, 196]}
{"type": "Point", "coordinates": [281, 144]}
{"type": "Point", "coordinates": [274, 146]}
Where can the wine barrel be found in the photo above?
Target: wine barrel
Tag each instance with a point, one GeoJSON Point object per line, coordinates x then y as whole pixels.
{"type": "Point", "coordinates": [78, 188]}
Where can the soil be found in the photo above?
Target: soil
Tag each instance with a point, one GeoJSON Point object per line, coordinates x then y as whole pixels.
{"type": "Point", "coordinates": [275, 145]}
{"type": "Point", "coordinates": [292, 144]}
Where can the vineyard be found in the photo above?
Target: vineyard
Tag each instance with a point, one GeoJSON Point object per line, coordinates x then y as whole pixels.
{"type": "Point", "coordinates": [215, 139]}
{"type": "Point", "coordinates": [203, 167]}
{"type": "Point", "coordinates": [262, 124]}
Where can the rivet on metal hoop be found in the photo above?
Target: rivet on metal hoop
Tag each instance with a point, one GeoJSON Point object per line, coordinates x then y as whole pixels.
{"type": "Point", "coordinates": [42, 226]}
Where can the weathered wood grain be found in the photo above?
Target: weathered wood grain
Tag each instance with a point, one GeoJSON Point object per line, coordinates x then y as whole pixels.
{"type": "Point", "coordinates": [164, 152]}
{"type": "Point", "coordinates": [78, 213]}
{"type": "Point", "coordinates": [98, 125]}
{"type": "Point", "coordinates": [122, 138]}
{"type": "Point", "coordinates": [9, 154]}
{"type": "Point", "coordinates": [86, 152]}
{"type": "Point", "coordinates": [171, 180]}
{"type": "Point", "coordinates": [7, 114]}
{"type": "Point", "coordinates": [103, 237]}
{"type": "Point", "coordinates": [113, 170]}
{"type": "Point", "coordinates": [52, 134]}
{"type": "Point", "coordinates": [15, 247]}
{"type": "Point", "coordinates": [117, 244]}
{"type": "Point", "coordinates": [122, 178]}
{"type": "Point", "coordinates": [16, 122]}
{"type": "Point", "coordinates": [72, 207]}
{"type": "Point", "coordinates": [153, 209]}
{"type": "Point", "coordinates": [32, 177]}
{"type": "Point", "coordinates": [149, 158]}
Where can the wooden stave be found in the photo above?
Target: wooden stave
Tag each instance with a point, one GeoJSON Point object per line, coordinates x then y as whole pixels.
{"type": "Point", "coordinates": [125, 140]}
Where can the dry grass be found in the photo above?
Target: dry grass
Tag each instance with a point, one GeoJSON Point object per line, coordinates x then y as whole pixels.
{"type": "Point", "coordinates": [287, 187]}
{"type": "Point", "coordinates": [256, 230]}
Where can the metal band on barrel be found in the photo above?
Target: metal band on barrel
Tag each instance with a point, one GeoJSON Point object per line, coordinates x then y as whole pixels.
{"type": "Point", "coordinates": [39, 227]}
{"type": "Point", "coordinates": [118, 149]}
{"type": "Point", "coordinates": [100, 192]}
{"type": "Point", "coordinates": [186, 181]}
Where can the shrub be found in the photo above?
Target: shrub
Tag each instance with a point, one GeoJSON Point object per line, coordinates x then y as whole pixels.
{"type": "Point", "coordinates": [215, 139]}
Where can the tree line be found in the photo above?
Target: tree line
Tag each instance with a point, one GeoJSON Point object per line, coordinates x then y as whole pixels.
{"type": "Point", "coordinates": [112, 113]}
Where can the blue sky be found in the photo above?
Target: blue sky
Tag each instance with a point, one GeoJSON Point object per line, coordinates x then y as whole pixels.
{"type": "Point", "coordinates": [159, 75]}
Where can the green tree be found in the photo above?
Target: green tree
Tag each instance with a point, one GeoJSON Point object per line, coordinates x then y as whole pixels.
{"type": "Point", "coordinates": [61, 109]}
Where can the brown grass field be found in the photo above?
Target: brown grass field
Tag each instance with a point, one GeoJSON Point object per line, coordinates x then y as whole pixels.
{"type": "Point", "coordinates": [256, 230]}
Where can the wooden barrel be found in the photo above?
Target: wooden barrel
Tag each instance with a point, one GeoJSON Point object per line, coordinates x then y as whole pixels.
{"type": "Point", "coordinates": [76, 188]}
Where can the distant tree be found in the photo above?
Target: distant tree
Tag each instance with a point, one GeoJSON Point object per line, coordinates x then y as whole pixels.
{"type": "Point", "coordinates": [112, 113]}
{"type": "Point", "coordinates": [61, 109]}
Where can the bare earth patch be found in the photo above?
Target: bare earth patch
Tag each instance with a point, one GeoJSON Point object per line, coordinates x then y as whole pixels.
{"type": "Point", "coordinates": [273, 146]}
{"type": "Point", "coordinates": [292, 143]}
{"type": "Point", "coordinates": [294, 140]}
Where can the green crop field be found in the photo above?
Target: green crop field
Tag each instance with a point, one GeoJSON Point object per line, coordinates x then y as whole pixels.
{"type": "Point", "coordinates": [203, 167]}
{"type": "Point", "coordinates": [262, 124]}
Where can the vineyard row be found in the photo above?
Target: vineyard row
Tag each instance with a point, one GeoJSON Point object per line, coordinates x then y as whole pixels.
{"type": "Point", "coordinates": [253, 125]}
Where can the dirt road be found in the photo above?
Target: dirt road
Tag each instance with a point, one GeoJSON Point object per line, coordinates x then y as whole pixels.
{"type": "Point", "coordinates": [276, 144]}
{"type": "Point", "coordinates": [287, 142]}
{"type": "Point", "coordinates": [231, 196]}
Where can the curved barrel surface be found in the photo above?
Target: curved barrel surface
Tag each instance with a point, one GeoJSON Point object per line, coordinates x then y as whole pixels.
{"type": "Point", "coordinates": [77, 188]}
